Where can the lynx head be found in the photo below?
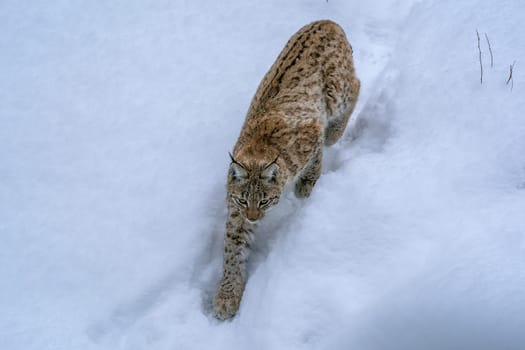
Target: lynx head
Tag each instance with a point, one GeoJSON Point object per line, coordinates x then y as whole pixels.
{"type": "Point", "coordinates": [254, 187]}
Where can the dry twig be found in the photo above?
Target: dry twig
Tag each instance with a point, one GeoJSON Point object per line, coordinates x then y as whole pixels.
{"type": "Point", "coordinates": [510, 79]}
{"type": "Point", "coordinates": [490, 50]}
{"type": "Point", "coordinates": [480, 62]}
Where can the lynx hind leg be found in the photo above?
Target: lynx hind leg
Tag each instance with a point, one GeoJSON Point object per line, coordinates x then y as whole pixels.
{"type": "Point", "coordinates": [309, 176]}
{"type": "Point", "coordinates": [337, 122]}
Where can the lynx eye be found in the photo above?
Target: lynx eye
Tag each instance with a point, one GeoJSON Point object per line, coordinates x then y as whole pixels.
{"type": "Point", "coordinates": [264, 202]}
{"type": "Point", "coordinates": [241, 201]}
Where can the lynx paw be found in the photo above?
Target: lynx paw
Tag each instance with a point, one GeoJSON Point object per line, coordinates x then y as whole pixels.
{"type": "Point", "coordinates": [226, 304]}
{"type": "Point", "coordinates": [303, 188]}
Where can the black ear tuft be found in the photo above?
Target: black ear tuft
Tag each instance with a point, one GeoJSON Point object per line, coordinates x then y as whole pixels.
{"type": "Point", "coordinates": [231, 157]}
{"type": "Point", "coordinates": [236, 162]}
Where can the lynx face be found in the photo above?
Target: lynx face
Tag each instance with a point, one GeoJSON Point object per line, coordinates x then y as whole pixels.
{"type": "Point", "coordinates": [254, 189]}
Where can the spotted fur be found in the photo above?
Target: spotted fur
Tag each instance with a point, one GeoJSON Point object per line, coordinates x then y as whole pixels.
{"type": "Point", "coordinates": [303, 102]}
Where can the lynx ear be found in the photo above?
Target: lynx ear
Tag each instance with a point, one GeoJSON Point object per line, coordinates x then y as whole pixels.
{"type": "Point", "coordinates": [237, 170]}
{"type": "Point", "coordinates": [270, 172]}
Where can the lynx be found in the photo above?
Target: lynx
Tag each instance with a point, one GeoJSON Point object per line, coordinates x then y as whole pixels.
{"type": "Point", "coordinates": [303, 102]}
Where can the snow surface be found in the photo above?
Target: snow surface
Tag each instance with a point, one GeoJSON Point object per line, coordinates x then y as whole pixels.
{"type": "Point", "coordinates": [116, 119]}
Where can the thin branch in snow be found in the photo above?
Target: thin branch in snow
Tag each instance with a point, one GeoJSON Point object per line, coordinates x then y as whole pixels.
{"type": "Point", "coordinates": [480, 62]}
{"type": "Point", "coordinates": [510, 79]}
{"type": "Point", "coordinates": [490, 50]}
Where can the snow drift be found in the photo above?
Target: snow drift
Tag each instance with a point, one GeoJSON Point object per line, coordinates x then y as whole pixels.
{"type": "Point", "coordinates": [116, 123]}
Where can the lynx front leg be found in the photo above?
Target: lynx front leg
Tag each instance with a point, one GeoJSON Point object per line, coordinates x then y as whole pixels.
{"type": "Point", "coordinates": [239, 234]}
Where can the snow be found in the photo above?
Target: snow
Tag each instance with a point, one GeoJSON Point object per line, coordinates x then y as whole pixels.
{"type": "Point", "coordinates": [117, 119]}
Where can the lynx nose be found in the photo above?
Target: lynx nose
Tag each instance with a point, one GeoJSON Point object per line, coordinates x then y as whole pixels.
{"type": "Point", "coordinates": [253, 214]}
